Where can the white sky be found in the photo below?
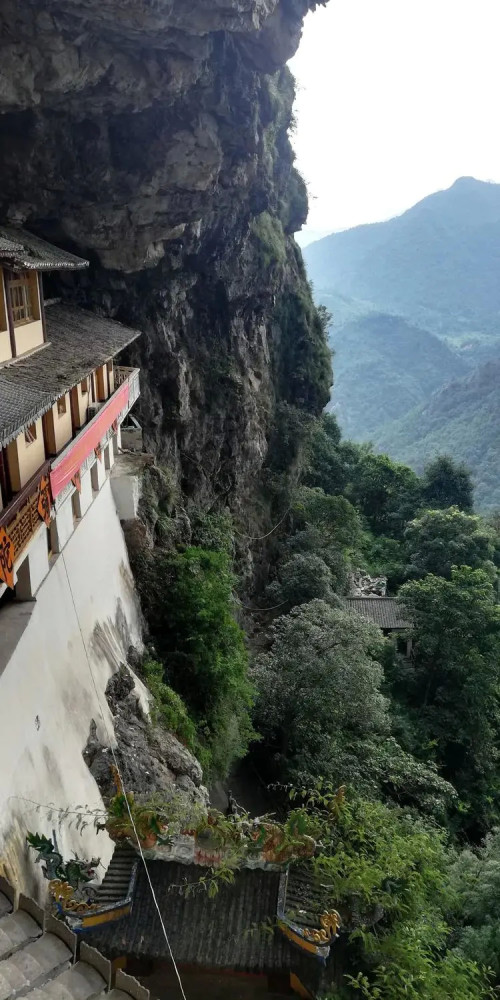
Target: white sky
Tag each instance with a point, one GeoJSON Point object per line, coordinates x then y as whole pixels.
{"type": "Point", "coordinates": [396, 99]}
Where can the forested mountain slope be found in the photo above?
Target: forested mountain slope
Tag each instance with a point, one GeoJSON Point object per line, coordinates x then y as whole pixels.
{"type": "Point", "coordinates": [384, 367]}
{"type": "Point", "coordinates": [437, 264]}
{"type": "Point", "coordinates": [461, 419]}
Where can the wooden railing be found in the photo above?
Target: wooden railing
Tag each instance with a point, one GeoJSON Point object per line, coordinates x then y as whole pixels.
{"type": "Point", "coordinates": [22, 499]}
{"type": "Point", "coordinates": [21, 518]}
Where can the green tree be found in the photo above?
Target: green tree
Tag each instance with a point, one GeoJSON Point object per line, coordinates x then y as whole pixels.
{"type": "Point", "coordinates": [326, 465]}
{"type": "Point", "coordinates": [319, 688]}
{"type": "Point", "coordinates": [475, 905]}
{"type": "Point", "coordinates": [387, 493]}
{"type": "Point", "coordinates": [334, 516]}
{"type": "Point", "coordinates": [302, 578]}
{"type": "Point", "coordinates": [311, 540]}
{"type": "Point", "coordinates": [388, 873]}
{"type": "Point", "coordinates": [454, 690]}
{"type": "Point", "coordinates": [440, 539]}
{"type": "Point", "coordinates": [447, 483]}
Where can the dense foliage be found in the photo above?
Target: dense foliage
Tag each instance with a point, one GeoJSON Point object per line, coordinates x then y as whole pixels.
{"type": "Point", "coordinates": [437, 540]}
{"type": "Point", "coordinates": [453, 693]}
{"type": "Point", "coordinates": [415, 740]}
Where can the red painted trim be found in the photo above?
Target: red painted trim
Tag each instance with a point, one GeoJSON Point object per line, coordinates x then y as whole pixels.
{"type": "Point", "coordinates": [66, 467]}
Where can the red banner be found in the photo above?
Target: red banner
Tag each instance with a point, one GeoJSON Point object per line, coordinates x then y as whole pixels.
{"type": "Point", "coordinates": [87, 440]}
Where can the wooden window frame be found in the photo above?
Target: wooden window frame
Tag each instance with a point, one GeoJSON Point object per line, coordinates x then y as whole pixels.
{"type": "Point", "coordinates": [84, 386]}
{"type": "Point", "coordinates": [20, 293]}
{"type": "Point", "coordinates": [30, 434]}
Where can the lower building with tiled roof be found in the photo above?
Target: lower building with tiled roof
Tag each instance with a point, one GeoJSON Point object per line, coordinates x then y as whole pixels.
{"type": "Point", "coordinates": [235, 933]}
{"type": "Point", "coordinates": [383, 611]}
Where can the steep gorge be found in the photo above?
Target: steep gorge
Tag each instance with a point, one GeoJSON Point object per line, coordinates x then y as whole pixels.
{"type": "Point", "coordinates": [153, 137]}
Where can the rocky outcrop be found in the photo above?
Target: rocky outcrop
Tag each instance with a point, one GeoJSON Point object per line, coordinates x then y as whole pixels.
{"type": "Point", "coordinates": [151, 761]}
{"type": "Point", "coordinates": [153, 137]}
{"type": "Point", "coordinates": [364, 585]}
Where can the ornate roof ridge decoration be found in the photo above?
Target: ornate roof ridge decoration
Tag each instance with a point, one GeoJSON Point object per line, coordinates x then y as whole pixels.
{"type": "Point", "coordinates": [74, 894]}
{"type": "Point", "coordinates": [22, 250]}
{"type": "Point", "coordinates": [305, 915]}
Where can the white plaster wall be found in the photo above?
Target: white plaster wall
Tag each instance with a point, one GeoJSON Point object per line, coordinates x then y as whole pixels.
{"type": "Point", "coordinates": [47, 699]}
{"type": "Point", "coordinates": [38, 558]}
{"type": "Point", "coordinates": [64, 522]}
{"type": "Point", "coordinates": [86, 495]}
{"type": "Point", "coordinates": [99, 471]}
{"type": "Point", "coordinates": [126, 493]}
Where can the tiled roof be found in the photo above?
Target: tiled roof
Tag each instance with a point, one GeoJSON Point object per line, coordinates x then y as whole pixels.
{"type": "Point", "coordinates": [202, 931]}
{"type": "Point", "coordinates": [384, 611]}
{"type": "Point", "coordinates": [20, 249]}
{"type": "Point", "coordinates": [234, 930]}
{"type": "Point", "coordinates": [39, 959]}
{"type": "Point", "coordinates": [78, 342]}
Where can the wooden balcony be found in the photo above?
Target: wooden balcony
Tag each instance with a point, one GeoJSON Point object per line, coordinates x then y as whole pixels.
{"type": "Point", "coordinates": [20, 520]}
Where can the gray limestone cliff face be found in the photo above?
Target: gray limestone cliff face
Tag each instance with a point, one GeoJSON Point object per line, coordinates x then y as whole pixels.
{"type": "Point", "coordinates": [152, 136]}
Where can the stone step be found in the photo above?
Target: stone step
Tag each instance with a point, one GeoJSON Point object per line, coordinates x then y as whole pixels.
{"type": "Point", "coordinates": [80, 982]}
{"type": "Point", "coordinates": [33, 966]}
{"type": "Point", "coordinates": [16, 929]}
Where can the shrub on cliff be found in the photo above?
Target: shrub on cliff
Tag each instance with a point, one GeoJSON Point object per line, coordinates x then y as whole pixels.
{"type": "Point", "coordinates": [188, 602]}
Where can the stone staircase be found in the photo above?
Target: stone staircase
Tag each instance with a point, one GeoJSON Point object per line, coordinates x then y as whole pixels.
{"type": "Point", "coordinates": [41, 958]}
{"type": "Point", "coordinates": [115, 885]}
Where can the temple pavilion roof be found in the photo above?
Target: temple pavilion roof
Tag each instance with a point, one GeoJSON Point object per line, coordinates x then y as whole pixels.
{"type": "Point", "coordinates": [235, 930]}
{"type": "Point", "coordinates": [384, 611]}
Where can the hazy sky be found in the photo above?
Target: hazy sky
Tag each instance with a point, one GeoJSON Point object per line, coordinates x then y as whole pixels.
{"type": "Point", "coordinates": [396, 99]}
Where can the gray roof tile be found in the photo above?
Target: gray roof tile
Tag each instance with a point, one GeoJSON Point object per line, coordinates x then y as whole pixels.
{"type": "Point", "coordinates": [384, 611]}
{"type": "Point", "coordinates": [22, 250]}
{"type": "Point", "coordinates": [78, 342]}
{"type": "Point", "coordinates": [235, 930]}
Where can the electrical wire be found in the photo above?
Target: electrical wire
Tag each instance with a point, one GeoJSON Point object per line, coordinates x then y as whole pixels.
{"type": "Point", "coordinates": [115, 761]}
{"type": "Point", "coordinates": [259, 538]}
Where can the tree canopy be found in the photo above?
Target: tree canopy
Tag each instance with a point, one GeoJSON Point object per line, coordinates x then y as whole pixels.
{"type": "Point", "coordinates": [454, 690]}
{"type": "Point", "coordinates": [437, 540]}
{"type": "Point", "coordinates": [447, 483]}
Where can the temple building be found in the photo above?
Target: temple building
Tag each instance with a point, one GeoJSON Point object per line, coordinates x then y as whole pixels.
{"type": "Point", "coordinates": [62, 401]}
{"type": "Point", "coordinates": [271, 932]}
{"type": "Point", "coordinates": [68, 608]}
{"type": "Point", "coordinates": [388, 615]}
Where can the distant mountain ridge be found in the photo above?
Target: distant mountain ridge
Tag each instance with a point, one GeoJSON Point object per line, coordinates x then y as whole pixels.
{"type": "Point", "coordinates": [463, 420]}
{"type": "Point", "coordinates": [416, 314]}
{"type": "Point", "coordinates": [384, 367]}
{"type": "Point", "coordinates": [437, 264]}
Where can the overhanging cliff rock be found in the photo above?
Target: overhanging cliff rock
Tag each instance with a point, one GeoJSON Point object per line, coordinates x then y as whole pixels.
{"type": "Point", "coordinates": [154, 137]}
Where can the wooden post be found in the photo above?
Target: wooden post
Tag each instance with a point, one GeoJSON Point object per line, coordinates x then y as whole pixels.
{"type": "Point", "coordinates": [10, 317]}
{"type": "Point", "coordinates": [42, 307]}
